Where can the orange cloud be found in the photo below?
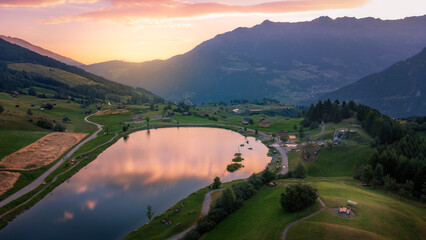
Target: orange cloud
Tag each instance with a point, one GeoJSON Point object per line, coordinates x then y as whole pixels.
{"type": "Point", "coordinates": [67, 216]}
{"type": "Point", "coordinates": [140, 11]}
{"type": "Point", "coordinates": [39, 3]}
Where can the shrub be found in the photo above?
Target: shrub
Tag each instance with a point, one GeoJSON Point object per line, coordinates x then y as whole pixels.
{"type": "Point", "coordinates": [192, 235]}
{"type": "Point", "coordinates": [234, 167]}
{"type": "Point", "coordinates": [227, 200]}
{"type": "Point", "coordinates": [216, 183]}
{"type": "Point", "coordinates": [205, 225]}
{"type": "Point", "coordinates": [298, 197]}
{"type": "Point", "coordinates": [59, 128]}
{"type": "Point", "coordinates": [244, 190]}
{"type": "Point", "coordinates": [44, 123]}
{"type": "Point", "coordinates": [256, 180]}
{"type": "Point", "coordinates": [217, 214]}
{"type": "Point", "coordinates": [299, 172]}
{"type": "Point", "coordinates": [268, 175]}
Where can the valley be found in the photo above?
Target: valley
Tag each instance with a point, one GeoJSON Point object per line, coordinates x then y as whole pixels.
{"type": "Point", "coordinates": [205, 119]}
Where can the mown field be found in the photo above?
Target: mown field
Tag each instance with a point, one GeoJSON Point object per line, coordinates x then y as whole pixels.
{"type": "Point", "coordinates": [377, 215]}
{"type": "Point", "coordinates": [333, 162]}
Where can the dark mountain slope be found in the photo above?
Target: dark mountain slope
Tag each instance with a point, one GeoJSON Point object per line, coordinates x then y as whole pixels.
{"type": "Point", "coordinates": [398, 91]}
{"type": "Point", "coordinates": [40, 50]}
{"type": "Point", "coordinates": [287, 61]}
{"type": "Point", "coordinates": [89, 86]}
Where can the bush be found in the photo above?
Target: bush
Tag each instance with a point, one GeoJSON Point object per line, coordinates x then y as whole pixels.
{"type": "Point", "coordinates": [192, 235]}
{"type": "Point", "coordinates": [234, 167]}
{"type": "Point", "coordinates": [216, 183]}
{"type": "Point", "coordinates": [268, 175]}
{"type": "Point", "coordinates": [298, 197]}
{"type": "Point", "coordinates": [390, 183]}
{"type": "Point", "coordinates": [1, 109]}
{"type": "Point", "coordinates": [65, 119]}
{"type": "Point", "coordinates": [227, 200]}
{"type": "Point", "coordinates": [29, 112]}
{"type": "Point", "coordinates": [32, 92]}
{"type": "Point", "coordinates": [256, 180]}
{"type": "Point", "coordinates": [217, 214]}
{"type": "Point", "coordinates": [49, 106]}
{"type": "Point", "coordinates": [299, 172]}
{"type": "Point", "coordinates": [59, 128]}
{"type": "Point", "coordinates": [44, 123]}
{"type": "Point", "coordinates": [244, 190]}
{"type": "Point", "coordinates": [205, 225]}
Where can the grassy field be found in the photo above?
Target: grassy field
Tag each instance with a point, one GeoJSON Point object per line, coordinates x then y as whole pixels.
{"type": "Point", "coordinates": [261, 217]}
{"type": "Point", "coordinates": [334, 162]}
{"type": "Point", "coordinates": [378, 215]}
{"type": "Point", "coordinates": [16, 140]}
{"type": "Point", "coordinates": [186, 217]}
{"type": "Point", "coordinates": [63, 76]}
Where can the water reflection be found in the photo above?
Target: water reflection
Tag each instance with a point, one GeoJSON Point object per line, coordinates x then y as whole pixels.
{"type": "Point", "coordinates": [108, 198]}
{"type": "Point", "coordinates": [169, 155]}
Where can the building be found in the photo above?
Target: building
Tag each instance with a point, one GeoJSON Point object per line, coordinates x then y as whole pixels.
{"type": "Point", "coordinates": [264, 123]}
{"type": "Point", "coordinates": [291, 138]}
{"type": "Point", "coordinates": [137, 118]}
{"type": "Point", "coordinates": [166, 119]}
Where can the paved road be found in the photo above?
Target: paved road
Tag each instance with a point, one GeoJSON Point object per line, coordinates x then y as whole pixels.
{"type": "Point", "coordinates": [304, 218]}
{"type": "Point", "coordinates": [204, 211]}
{"type": "Point", "coordinates": [283, 153]}
{"type": "Point", "coordinates": [40, 179]}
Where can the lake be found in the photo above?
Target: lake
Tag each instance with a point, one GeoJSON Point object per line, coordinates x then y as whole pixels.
{"type": "Point", "coordinates": [107, 199]}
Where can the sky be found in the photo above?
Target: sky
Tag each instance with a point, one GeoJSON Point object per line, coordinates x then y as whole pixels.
{"type": "Point", "coordinates": [92, 31]}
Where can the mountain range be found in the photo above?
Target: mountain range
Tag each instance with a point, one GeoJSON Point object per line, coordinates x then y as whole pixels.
{"type": "Point", "coordinates": [290, 62]}
{"type": "Point", "coordinates": [398, 91]}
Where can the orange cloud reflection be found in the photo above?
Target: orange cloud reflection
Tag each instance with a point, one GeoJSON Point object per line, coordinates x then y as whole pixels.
{"type": "Point", "coordinates": [168, 155]}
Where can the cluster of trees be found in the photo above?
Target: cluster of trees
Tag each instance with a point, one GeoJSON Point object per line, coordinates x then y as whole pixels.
{"type": "Point", "coordinates": [328, 112]}
{"type": "Point", "coordinates": [231, 200]}
{"type": "Point", "coordinates": [46, 124]}
{"type": "Point", "coordinates": [264, 101]}
{"type": "Point", "coordinates": [399, 162]}
{"type": "Point", "coordinates": [298, 197]}
{"type": "Point", "coordinates": [298, 172]}
{"type": "Point", "coordinates": [416, 124]}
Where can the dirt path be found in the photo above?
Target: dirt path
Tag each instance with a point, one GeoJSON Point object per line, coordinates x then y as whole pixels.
{"type": "Point", "coordinates": [204, 211]}
{"type": "Point", "coordinates": [40, 179]}
{"type": "Point", "coordinates": [304, 218]}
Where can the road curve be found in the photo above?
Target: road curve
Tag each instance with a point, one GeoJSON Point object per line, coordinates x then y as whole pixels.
{"type": "Point", "coordinates": [304, 218]}
{"type": "Point", "coordinates": [40, 179]}
{"type": "Point", "coordinates": [204, 211]}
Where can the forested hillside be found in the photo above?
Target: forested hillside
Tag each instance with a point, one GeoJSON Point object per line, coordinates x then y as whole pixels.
{"type": "Point", "coordinates": [95, 88]}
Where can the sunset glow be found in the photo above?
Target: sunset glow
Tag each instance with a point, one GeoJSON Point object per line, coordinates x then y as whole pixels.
{"type": "Point", "coordinates": [93, 31]}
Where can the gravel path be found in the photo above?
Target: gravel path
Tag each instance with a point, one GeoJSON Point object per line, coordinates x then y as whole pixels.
{"type": "Point", "coordinates": [204, 211]}
{"type": "Point", "coordinates": [304, 218]}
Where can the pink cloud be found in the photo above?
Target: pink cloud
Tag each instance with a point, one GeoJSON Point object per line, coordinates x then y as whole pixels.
{"type": "Point", "coordinates": [67, 216]}
{"type": "Point", "coordinates": [131, 10]}
{"type": "Point", "coordinates": [39, 3]}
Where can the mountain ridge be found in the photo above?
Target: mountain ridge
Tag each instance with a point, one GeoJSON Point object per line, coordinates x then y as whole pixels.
{"type": "Point", "coordinates": [290, 62]}
{"type": "Point", "coordinates": [397, 91]}
{"type": "Point", "coordinates": [41, 50]}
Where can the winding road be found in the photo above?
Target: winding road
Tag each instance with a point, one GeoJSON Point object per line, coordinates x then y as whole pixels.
{"type": "Point", "coordinates": [40, 179]}
{"type": "Point", "coordinates": [204, 211]}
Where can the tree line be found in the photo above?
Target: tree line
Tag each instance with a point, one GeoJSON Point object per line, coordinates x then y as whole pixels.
{"type": "Point", "coordinates": [399, 161]}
